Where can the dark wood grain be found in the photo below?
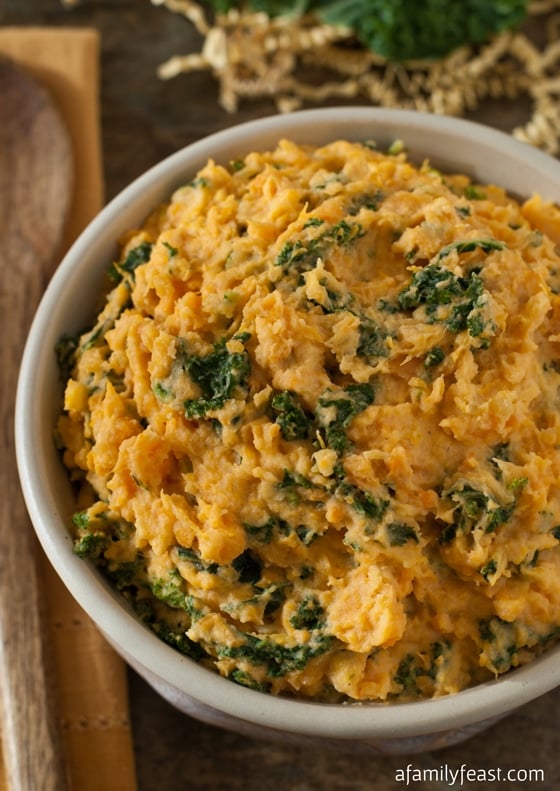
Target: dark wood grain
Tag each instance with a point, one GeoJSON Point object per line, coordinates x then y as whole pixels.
{"type": "Point", "coordinates": [143, 120]}
{"type": "Point", "coordinates": [35, 168]}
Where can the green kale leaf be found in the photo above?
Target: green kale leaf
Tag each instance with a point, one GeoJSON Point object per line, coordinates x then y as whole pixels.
{"type": "Point", "coordinates": [292, 418]}
{"type": "Point", "coordinates": [218, 375]}
{"type": "Point", "coordinates": [336, 410]}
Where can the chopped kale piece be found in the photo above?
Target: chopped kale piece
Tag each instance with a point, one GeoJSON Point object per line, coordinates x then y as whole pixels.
{"type": "Point", "coordinates": [81, 520]}
{"type": "Point", "coordinates": [362, 502]}
{"type": "Point", "coordinates": [135, 257]}
{"type": "Point", "coordinates": [468, 245]}
{"type": "Point", "coordinates": [302, 255]}
{"type": "Point", "coordinates": [90, 545]}
{"type": "Point", "coordinates": [65, 351]}
{"type": "Point", "coordinates": [485, 631]}
{"type": "Point", "coordinates": [193, 557]}
{"type": "Point", "coordinates": [400, 534]}
{"type": "Point", "coordinates": [335, 411]}
{"type": "Point", "coordinates": [170, 591]}
{"type": "Point", "coordinates": [309, 614]}
{"type": "Point", "coordinates": [464, 315]}
{"type": "Point", "coordinates": [431, 285]}
{"type": "Point", "coordinates": [500, 644]}
{"type": "Point", "coordinates": [434, 357]}
{"type": "Point", "coordinates": [97, 335]}
{"type": "Point", "coordinates": [386, 306]}
{"type": "Point", "coordinates": [422, 665]}
{"type": "Point", "coordinates": [335, 300]}
{"type": "Point", "coordinates": [292, 252]}
{"type": "Point", "coordinates": [248, 567]}
{"type": "Point", "coordinates": [489, 568]}
{"type": "Point", "coordinates": [171, 250]}
{"type": "Point", "coordinates": [533, 561]}
{"type": "Point", "coordinates": [292, 479]}
{"type": "Point", "coordinates": [245, 680]}
{"type": "Point", "coordinates": [177, 639]}
{"type": "Point", "coordinates": [501, 452]}
{"type": "Point", "coordinates": [174, 636]}
{"type": "Point", "coordinates": [276, 597]}
{"type": "Point", "coordinates": [124, 575]}
{"type": "Point", "coordinates": [434, 286]}
{"type": "Point", "coordinates": [499, 516]}
{"type": "Point", "coordinates": [305, 534]}
{"type": "Point", "coordinates": [162, 392]}
{"type": "Point", "coordinates": [199, 181]}
{"type": "Point", "coordinates": [94, 535]}
{"type": "Point", "coordinates": [369, 200]}
{"type": "Point", "coordinates": [263, 533]}
{"type": "Point", "coordinates": [405, 675]}
{"type": "Point", "coordinates": [372, 339]}
{"type": "Point", "coordinates": [518, 483]}
{"type": "Point", "coordinates": [291, 485]}
{"type": "Point", "coordinates": [344, 233]}
{"type": "Point", "coordinates": [292, 418]}
{"type": "Point", "coordinates": [476, 510]}
{"type": "Point", "coordinates": [473, 192]}
{"type": "Point", "coordinates": [279, 659]}
{"type": "Point", "coordinates": [218, 374]}
{"type": "Point", "coordinates": [447, 534]}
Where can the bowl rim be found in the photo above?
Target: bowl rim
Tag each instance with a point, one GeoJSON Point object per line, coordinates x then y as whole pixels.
{"type": "Point", "coordinates": [347, 721]}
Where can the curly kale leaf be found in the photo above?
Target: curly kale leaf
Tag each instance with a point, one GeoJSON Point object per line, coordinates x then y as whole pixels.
{"type": "Point", "coordinates": [94, 534]}
{"type": "Point", "coordinates": [302, 255]}
{"type": "Point", "coordinates": [474, 510]}
{"type": "Point", "coordinates": [500, 644]}
{"type": "Point", "coordinates": [135, 257]}
{"type": "Point", "coordinates": [218, 375]}
{"type": "Point", "coordinates": [272, 528]}
{"type": "Point", "coordinates": [433, 287]}
{"type": "Point", "coordinates": [422, 665]}
{"type": "Point", "coordinates": [362, 502]}
{"type": "Point", "coordinates": [175, 636]}
{"type": "Point", "coordinates": [468, 245]}
{"type": "Point", "coordinates": [400, 534]}
{"type": "Point", "coordinates": [309, 614]}
{"type": "Point", "coordinates": [372, 339]}
{"type": "Point", "coordinates": [279, 659]}
{"type": "Point", "coordinates": [419, 29]}
{"type": "Point", "coordinates": [248, 567]}
{"type": "Point", "coordinates": [335, 411]}
{"type": "Point", "coordinates": [193, 557]}
{"type": "Point", "coordinates": [292, 418]}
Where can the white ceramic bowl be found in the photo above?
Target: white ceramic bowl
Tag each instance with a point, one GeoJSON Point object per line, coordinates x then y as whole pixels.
{"type": "Point", "coordinates": [450, 144]}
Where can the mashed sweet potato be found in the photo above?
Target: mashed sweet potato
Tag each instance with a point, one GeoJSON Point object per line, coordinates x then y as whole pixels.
{"type": "Point", "coordinates": [316, 430]}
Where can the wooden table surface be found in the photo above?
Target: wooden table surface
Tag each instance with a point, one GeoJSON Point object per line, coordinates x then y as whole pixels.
{"type": "Point", "coordinates": [143, 120]}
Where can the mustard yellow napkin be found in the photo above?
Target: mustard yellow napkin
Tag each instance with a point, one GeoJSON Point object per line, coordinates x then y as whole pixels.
{"type": "Point", "coordinates": [90, 677]}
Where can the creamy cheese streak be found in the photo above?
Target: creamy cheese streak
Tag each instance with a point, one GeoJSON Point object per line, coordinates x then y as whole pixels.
{"type": "Point", "coordinates": [315, 427]}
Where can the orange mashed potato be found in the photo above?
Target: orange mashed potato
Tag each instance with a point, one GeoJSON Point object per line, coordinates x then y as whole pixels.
{"type": "Point", "coordinates": [316, 426]}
